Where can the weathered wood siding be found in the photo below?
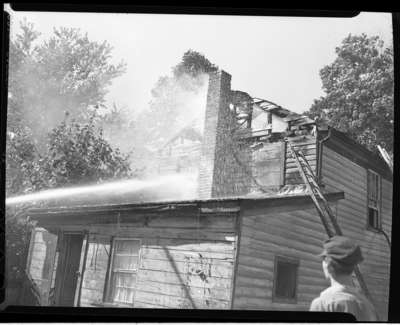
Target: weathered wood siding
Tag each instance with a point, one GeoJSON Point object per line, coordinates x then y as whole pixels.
{"type": "Point", "coordinates": [339, 173]}
{"type": "Point", "coordinates": [308, 146]}
{"type": "Point", "coordinates": [187, 261]}
{"type": "Point", "coordinates": [296, 234]}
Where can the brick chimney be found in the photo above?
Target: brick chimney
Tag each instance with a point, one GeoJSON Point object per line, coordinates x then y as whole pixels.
{"type": "Point", "coordinates": [219, 171]}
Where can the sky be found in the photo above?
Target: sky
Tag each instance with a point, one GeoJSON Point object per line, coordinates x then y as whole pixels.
{"type": "Point", "coordinates": [275, 58]}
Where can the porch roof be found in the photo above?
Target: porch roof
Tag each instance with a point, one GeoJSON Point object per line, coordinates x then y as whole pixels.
{"type": "Point", "coordinates": [214, 205]}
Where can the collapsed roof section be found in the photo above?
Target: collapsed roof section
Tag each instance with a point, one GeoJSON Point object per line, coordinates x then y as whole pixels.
{"type": "Point", "coordinates": [293, 118]}
{"type": "Point", "coordinates": [246, 109]}
{"type": "Point", "coordinates": [249, 111]}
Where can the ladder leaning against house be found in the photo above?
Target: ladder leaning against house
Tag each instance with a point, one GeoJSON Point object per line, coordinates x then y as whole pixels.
{"type": "Point", "coordinates": [328, 219]}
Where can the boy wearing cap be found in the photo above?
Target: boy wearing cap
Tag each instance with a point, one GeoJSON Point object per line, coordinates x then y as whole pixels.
{"type": "Point", "coordinates": [339, 258]}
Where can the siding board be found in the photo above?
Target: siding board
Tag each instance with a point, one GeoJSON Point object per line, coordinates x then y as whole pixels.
{"type": "Point", "coordinates": [266, 234]}
{"type": "Point", "coordinates": [352, 215]}
{"type": "Point", "coordinates": [183, 261]}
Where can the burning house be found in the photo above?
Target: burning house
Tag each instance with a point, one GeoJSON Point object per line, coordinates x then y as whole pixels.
{"type": "Point", "coordinates": [246, 237]}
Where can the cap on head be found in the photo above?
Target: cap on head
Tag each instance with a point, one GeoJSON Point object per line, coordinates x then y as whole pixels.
{"type": "Point", "coordinates": [342, 250]}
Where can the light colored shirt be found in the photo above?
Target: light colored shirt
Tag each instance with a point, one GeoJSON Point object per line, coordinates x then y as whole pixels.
{"type": "Point", "coordinates": [338, 298]}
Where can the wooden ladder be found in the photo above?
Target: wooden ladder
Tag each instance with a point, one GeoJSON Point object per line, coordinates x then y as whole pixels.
{"type": "Point", "coordinates": [328, 219]}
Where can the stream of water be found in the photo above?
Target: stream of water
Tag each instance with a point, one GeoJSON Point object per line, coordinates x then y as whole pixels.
{"type": "Point", "coordinates": [169, 187]}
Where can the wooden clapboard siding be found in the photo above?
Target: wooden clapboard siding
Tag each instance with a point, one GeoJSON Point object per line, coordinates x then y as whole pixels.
{"type": "Point", "coordinates": [307, 145]}
{"type": "Point", "coordinates": [340, 173]}
{"type": "Point", "coordinates": [161, 300]}
{"type": "Point", "coordinates": [266, 234]}
{"type": "Point", "coordinates": [386, 208]}
{"type": "Point", "coordinates": [185, 262]}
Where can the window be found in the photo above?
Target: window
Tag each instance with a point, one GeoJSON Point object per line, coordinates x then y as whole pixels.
{"type": "Point", "coordinates": [285, 280]}
{"type": "Point", "coordinates": [123, 271]}
{"type": "Point", "coordinates": [374, 199]}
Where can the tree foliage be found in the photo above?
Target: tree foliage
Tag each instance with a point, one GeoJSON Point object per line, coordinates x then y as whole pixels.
{"type": "Point", "coordinates": [77, 153]}
{"type": "Point", "coordinates": [193, 64]}
{"type": "Point", "coordinates": [67, 72]}
{"type": "Point", "coordinates": [358, 88]}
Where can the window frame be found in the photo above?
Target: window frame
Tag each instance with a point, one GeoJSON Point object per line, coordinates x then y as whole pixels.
{"type": "Point", "coordinates": [288, 260]}
{"type": "Point", "coordinates": [110, 271]}
{"type": "Point", "coordinates": [378, 206]}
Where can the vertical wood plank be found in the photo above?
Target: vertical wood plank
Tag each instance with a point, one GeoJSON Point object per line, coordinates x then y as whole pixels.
{"type": "Point", "coordinates": [236, 257]}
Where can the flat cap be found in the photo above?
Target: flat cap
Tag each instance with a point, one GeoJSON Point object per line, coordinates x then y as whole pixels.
{"type": "Point", "coordinates": [342, 250]}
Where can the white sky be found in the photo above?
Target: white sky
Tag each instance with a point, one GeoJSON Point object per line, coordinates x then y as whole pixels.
{"type": "Point", "coordinates": [275, 58]}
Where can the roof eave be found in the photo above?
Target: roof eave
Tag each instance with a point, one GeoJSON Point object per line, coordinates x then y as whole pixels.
{"type": "Point", "coordinates": [215, 203]}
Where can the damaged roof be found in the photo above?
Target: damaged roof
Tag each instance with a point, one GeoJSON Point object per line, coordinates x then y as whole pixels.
{"type": "Point", "coordinates": [285, 114]}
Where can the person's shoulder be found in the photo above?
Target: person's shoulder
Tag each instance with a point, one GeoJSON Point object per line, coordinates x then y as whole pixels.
{"type": "Point", "coordinates": [328, 293]}
{"type": "Point", "coordinates": [316, 305]}
{"type": "Point", "coordinates": [331, 298]}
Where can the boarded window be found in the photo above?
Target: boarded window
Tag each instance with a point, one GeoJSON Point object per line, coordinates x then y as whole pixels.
{"type": "Point", "coordinates": [374, 199]}
{"type": "Point", "coordinates": [285, 280]}
{"type": "Point", "coordinates": [123, 271]}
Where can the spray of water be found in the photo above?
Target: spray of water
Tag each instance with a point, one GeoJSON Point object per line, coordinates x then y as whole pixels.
{"type": "Point", "coordinates": [163, 188]}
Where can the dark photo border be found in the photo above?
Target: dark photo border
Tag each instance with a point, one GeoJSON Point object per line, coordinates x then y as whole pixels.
{"type": "Point", "coordinates": [58, 314]}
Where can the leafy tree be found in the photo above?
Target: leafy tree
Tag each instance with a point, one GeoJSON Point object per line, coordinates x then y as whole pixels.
{"type": "Point", "coordinates": [359, 92]}
{"type": "Point", "coordinates": [20, 160]}
{"type": "Point", "coordinates": [193, 64]}
{"type": "Point", "coordinates": [67, 72]}
{"type": "Point", "coordinates": [77, 153]}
